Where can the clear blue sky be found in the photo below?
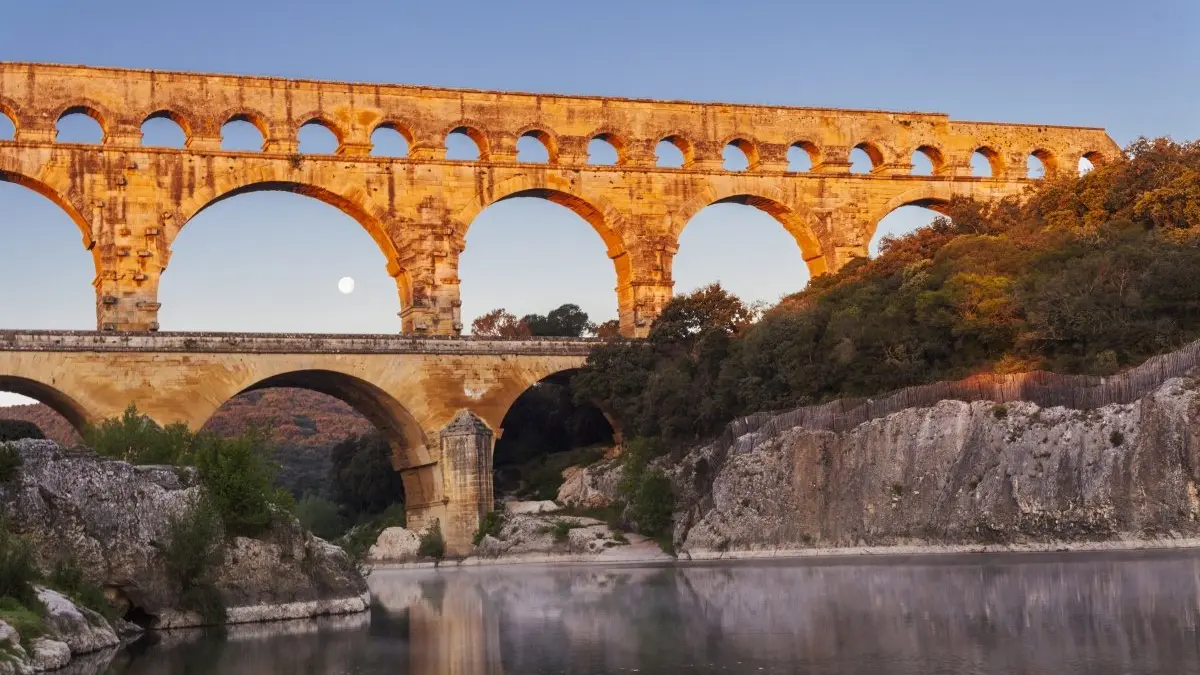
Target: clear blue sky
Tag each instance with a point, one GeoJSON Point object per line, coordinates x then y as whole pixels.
{"type": "Point", "coordinates": [1133, 68]}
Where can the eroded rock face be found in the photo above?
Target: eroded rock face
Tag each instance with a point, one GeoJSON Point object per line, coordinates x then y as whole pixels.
{"type": "Point", "coordinates": [529, 508]}
{"type": "Point", "coordinates": [589, 487]}
{"type": "Point", "coordinates": [82, 629]}
{"type": "Point", "coordinates": [111, 518]}
{"type": "Point", "coordinates": [954, 473]}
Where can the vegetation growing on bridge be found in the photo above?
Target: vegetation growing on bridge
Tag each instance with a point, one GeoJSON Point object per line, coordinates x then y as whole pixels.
{"type": "Point", "coordinates": [1089, 275]}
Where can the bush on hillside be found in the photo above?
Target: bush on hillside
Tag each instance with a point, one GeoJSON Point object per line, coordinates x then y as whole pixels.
{"type": "Point", "coordinates": [15, 430]}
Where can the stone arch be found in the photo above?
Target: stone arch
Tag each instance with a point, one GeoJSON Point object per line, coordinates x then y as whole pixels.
{"type": "Point", "coordinates": [321, 120]}
{"type": "Point", "coordinates": [748, 147]}
{"type": "Point", "coordinates": [370, 217]}
{"type": "Point", "coordinates": [89, 108]}
{"type": "Point", "coordinates": [602, 216]}
{"type": "Point", "coordinates": [255, 117]}
{"type": "Point", "coordinates": [994, 158]}
{"type": "Point", "coordinates": [797, 221]}
{"type": "Point", "coordinates": [559, 375]}
{"type": "Point", "coordinates": [9, 110]}
{"type": "Point", "coordinates": [935, 156]}
{"type": "Point", "coordinates": [175, 116]}
{"type": "Point", "coordinates": [411, 454]}
{"type": "Point", "coordinates": [475, 133]}
{"type": "Point", "coordinates": [60, 200]}
{"type": "Point", "coordinates": [874, 151]}
{"type": "Point", "coordinates": [543, 136]}
{"type": "Point", "coordinates": [1048, 159]}
{"type": "Point", "coordinates": [615, 140]}
{"type": "Point", "coordinates": [396, 125]}
{"type": "Point", "coordinates": [811, 149]}
{"type": "Point", "coordinates": [1097, 157]}
{"type": "Point", "coordinates": [685, 146]}
{"type": "Point", "coordinates": [51, 396]}
{"type": "Point", "coordinates": [934, 196]}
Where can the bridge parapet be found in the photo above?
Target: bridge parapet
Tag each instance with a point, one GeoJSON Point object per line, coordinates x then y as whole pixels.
{"type": "Point", "coordinates": [288, 343]}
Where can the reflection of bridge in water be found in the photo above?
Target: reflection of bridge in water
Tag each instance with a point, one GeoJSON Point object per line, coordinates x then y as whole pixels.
{"type": "Point", "coordinates": [439, 401]}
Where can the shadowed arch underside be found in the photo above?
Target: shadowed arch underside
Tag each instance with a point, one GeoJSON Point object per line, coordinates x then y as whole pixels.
{"type": "Point", "coordinates": [58, 401]}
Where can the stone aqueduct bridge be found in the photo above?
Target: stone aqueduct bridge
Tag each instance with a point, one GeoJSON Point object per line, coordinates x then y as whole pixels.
{"type": "Point", "coordinates": [440, 401]}
{"type": "Point", "coordinates": [130, 202]}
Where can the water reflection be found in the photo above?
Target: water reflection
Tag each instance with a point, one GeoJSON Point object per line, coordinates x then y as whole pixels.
{"type": "Point", "coordinates": [1035, 615]}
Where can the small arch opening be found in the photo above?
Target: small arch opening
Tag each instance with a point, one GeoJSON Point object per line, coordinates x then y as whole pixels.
{"type": "Point", "coordinates": [985, 163]}
{"type": "Point", "coordinates": [240, 134]}
{"type": "Point", "coordinates": [533, 147]}
{"type": "Point", "coordinates": [802, 157]}
{"type": "Point", "coordinates": [389, 141]}
{"type": "Point", "coordinates": [8, 128]}
{"type": "Point", "coordinates": [671, 153]}
{"type": "Point", "coordinates": [79, 125]}
{"type": "Point", "coordinates": [926, 161]}
{"type": "Point", "coordinates": [738, 155]}
{"type": "Point", "coordinates": [1034, 167]}
{"type": "Point", "coordinates": [163, 130]}
{"type": "Point", "coordinates": [865, 158]}
{"type": "Point", "coordinates": [464, 144]}
{"type": "Point", "coordinates": [1087, 163]}
{"type": "Point", "coordinates": [602, 151]}
{"type": "Point", "coordinates": [316, 138]}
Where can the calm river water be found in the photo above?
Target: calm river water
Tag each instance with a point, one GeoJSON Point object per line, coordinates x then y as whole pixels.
{"type": "Point", "coordinates": [1051, 614]}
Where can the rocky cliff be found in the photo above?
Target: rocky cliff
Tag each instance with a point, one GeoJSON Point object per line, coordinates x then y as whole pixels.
{"type": "Point", "coordinates": [953, 473]}
{"type": "Point", "coordinates": [112, 519]}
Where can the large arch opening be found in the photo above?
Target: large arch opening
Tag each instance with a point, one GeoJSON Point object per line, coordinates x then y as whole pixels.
{"type": "Point", "coordinates": [551, 238]}
{"type": "Point", "coordinates": [346, 450]}
{"type": "Point", "coordinates": [545, 431]}
{"type": "Point", "coordinates": [41, 235]}
{"type": "Point", "coordinates": [738, 242]}
{"type": "Point", "coordinates": [904, 220]}
{"type": "Point", "coordinates": [58, 416]}
{"type": "Point", "coordinates": [271, 257]}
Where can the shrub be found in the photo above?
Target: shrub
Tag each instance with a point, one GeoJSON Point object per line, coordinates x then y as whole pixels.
{"type": "Point", "coordinates": [561, 531]}
{"type": "Point", "coordinates": [1116, 438]}
{"type": "Point", "coordinates": [137, 439]}
{"type": "Point", "coordinates": [194, 547]}
{"type": "Point", "coordinates": [999, 411]}
{"type": "Point", "coordinates": [634, 460]}
{"type": "Point", "coordinates": [492, 523]}
{"type": "Point", "coordinates": [26, 619]}
{"type": "Point", "coordinates": [18, 572]}
{"type": "Point", "coordinates": [320, 516]}
{"type": "Point", "coordinates": [68, 578]}
{"type": "Point", "coordinates": [15, 430]}
{"type": "Point", "coordinates": [653, 504]}
{"type": "Point", "coordinates": [239, 476]}
{"type": "Point", "coordinates": [10, 463]}
{"type": "Point", "coordinates": [432, 544]}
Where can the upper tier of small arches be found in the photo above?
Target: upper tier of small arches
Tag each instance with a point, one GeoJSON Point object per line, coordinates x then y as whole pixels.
{"type": "Point", "coordinates": [472, 140]}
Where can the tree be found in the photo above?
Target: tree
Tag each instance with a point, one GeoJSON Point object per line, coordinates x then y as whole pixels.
{"type": "Point", "coordinates": [362, 480]}
{"type": "Point", "coordinates": [707, 309]}
{"type": "Point", "coordinates": [500, 324]}
{"type": "Point", "coordinates": [565, 321]}
{"type": "Point", "coordinates": [609, 329]}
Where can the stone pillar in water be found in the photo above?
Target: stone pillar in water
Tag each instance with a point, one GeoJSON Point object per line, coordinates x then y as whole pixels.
{"type": "Point", "coordinates": [467, 460]}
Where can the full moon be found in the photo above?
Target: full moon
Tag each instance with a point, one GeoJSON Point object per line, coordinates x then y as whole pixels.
{"type": "Point", "coordinates": [346, 285]}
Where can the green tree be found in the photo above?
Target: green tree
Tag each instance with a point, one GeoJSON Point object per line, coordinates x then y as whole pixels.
{"type": "Point", "coordinates": [362, 480]}
{"type": "Point", "coordinates": [564, 321]}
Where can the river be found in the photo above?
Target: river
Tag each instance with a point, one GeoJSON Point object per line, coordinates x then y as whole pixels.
{"type": "Point", "coordinates": [1036, 614]}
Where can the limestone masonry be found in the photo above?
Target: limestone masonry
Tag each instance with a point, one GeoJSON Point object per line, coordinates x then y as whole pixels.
{"type": "Point", "coordinates": [130, 202]}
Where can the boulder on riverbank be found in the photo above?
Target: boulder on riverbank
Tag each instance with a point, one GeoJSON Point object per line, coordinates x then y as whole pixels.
{"type": "Point", "coordinates": [112, 520]}
{"type": "Point", "coordinates": [66, 631]}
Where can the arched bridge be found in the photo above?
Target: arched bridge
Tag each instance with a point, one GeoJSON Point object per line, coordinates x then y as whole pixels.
{"type": "Point", "coordinates": [439, 401]}
{"type": "Point", "coordinates": [130, 202]}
